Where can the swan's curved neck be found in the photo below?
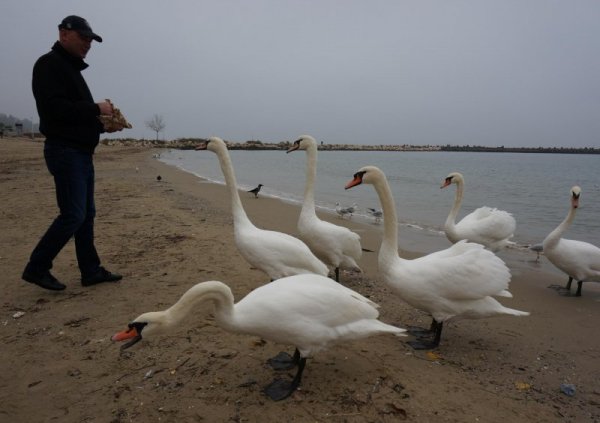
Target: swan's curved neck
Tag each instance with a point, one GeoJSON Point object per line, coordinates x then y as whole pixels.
{"type": "Point", "coordinates": [239, 214]}
{"type": "Point", "coordinates": [458, 196]}
{"type": "Point", "coordinates": [308, 206]}
{"type": "Point", "coordinates": [554, 236]}
{"type": "Point", "coordinates": [216, 292]}
{"type": "Point", "coordinates": [389, 243]}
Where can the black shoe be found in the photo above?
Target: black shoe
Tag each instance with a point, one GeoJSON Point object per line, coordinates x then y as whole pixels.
{"type": "Point", "coordinates": [102, 275]}
{"type": "Point", "coordinates": [44, 280]}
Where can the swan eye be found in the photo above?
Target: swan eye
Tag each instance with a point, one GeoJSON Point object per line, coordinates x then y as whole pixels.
{"type": "Point", "coordinates": [449, 179]}
{"type": "Point", "coordinates": [360, 174]}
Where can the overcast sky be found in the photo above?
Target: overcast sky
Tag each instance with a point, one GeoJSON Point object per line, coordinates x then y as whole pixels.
{"type": "Point", "coordinates": [504, 72]}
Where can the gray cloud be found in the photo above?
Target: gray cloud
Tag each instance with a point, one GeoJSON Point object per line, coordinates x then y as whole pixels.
{"type": "Point", "coordinates": [512, 72]}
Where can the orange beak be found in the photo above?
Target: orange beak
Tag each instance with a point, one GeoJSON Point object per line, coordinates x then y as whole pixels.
{"type": "Point", "coordinates": [124, 335]}
{"type": "Point", "coordinates": [354, 182]}
{"type": "Point", "coordinates": [201, 146]}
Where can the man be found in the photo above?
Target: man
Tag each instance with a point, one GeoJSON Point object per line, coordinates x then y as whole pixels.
{"type": "Point", "coordinates": [69, 121]}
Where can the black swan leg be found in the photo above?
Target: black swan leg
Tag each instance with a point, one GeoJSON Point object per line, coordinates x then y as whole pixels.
{"type": "Point", "coordinates": [283, 361]}
{"type": "Point", "coordinates": [579, 284]}
{"type": "Point", "coordinates": [419, 332]}
{"type": "Point", "coordinates": [280, 389]}
{"type": "Point", "coordinates": [337, 274]}
{"type": "Point", "coordinates": [565, 291]}
{"type": "Point", "coordinates": [423, 343]}
{"type": "Point", "coordinates": [568, 287]}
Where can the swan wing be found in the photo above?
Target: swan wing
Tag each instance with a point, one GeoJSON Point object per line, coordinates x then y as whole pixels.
{"type": "Point", "coordinates": [334, 244]}
{"type": "Point", "coordinates": [465, 271]}
{"type": "Point", "coordinates": [487, 223]}
{"type": "Point", "coordinates": [276, 253]}
{"type": "Point", "coordinates": [578, 259]}
{"type": "Point", "coordinates": [309, 311]}
{"type": "Point", "coordinates": [314, 295]}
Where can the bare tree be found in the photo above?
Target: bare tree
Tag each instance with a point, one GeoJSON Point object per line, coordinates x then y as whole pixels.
{"type": "Point", "coordinates": [157, 124]}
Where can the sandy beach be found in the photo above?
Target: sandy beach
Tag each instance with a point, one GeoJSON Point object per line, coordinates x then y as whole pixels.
{"type": "Point", "coordinates": [59, 364]}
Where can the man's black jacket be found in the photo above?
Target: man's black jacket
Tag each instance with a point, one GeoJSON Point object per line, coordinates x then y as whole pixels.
{"type": "Point", "coordinates": [68, 114]}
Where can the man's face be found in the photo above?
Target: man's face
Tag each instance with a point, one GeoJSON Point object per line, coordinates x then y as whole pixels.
{"type": "Point", "coordinates": [75, 43]}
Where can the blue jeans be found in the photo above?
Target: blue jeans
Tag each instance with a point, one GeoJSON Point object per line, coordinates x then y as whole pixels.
{"type": "Point", "coordinates": [73, 173]}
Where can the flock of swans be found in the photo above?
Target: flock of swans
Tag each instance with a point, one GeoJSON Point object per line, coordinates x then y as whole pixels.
{"type": "Point", "coordinates": [304, 308]}
{"type": "Point", "coordinates": [458, 282]}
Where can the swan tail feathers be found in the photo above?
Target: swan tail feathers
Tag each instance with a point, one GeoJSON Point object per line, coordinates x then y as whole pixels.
{"type": "Point", "coordinates": [514, 312]}
{"type": "Point", "coordinates": [504, 293]}
{"type": "Point", "coordinates": [364, 328]}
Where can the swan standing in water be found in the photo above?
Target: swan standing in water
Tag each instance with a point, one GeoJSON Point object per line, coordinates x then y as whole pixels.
{"type": "Point", "coordinates": [454, 283]}
{"type": "Point", "coordinates": [335, 245]}
{"type": "Point", "coordinates": [579, 260]}
{"type": "Point", "coordinates": [275, 253]}
{"type": "Point", "coordinates": [487, 226]}
{"type": "Point", "coordinates": [310, 312]}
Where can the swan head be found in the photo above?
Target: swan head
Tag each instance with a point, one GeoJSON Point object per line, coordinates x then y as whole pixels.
{"type": "Point", "coordinates": [575, 193]}
{"type": "Point", "coordinates": [366, 175]}
{"type": "Point", "coordinates": [303, 143]}
{"type": "Point", "coordinates": [151, 324]}
{"type": "Point", "coordinates": [453, 178]}
{"type": "Point", "coordinates": [212, 144]}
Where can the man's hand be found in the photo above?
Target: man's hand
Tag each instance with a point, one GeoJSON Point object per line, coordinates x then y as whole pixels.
{"type": "Point", "coordinates": [115, 121]}
{"type": "Point", "coordinates": [106, 108]}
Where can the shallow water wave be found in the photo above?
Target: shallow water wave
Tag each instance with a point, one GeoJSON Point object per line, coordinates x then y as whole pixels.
{"type": "Point", "coordinates": [533, 187]}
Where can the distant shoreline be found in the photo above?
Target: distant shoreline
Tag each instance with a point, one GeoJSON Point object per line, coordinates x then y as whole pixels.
{"type": "Point", "coordinates": [191, 143]}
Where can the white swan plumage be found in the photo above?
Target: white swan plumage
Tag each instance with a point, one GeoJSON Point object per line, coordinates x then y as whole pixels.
{"type": "Point", "coordinates": [337, 246]}
{"type": "Point", "coordinates": [457, 282]}
{"type": "Point", "coordinates": [487, 226]}
{"type": "Point", "coordinates": [310, 312]}
{"type": "Point", "coordinates": [275, 253]}
{"type": "Point", "coordinates": [579, 260]}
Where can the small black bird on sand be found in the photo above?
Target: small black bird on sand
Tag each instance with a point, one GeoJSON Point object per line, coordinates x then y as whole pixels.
{"type": "Point", "coordinates": [256, 190]}
{"type": "Point", "coordinates": [158, 178]}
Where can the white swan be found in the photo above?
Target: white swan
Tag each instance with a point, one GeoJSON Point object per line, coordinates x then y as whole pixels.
{"type": "Point", "coordinates": [310, 312]}
{"type": "Point", "coordinates": [275, 253]}
{"type": "Point", "coordinates": [579, 260]}
{"type": "Point", "coordinates": [335, 245]}
{"type": "Point", "coordinates": [457, 282]}
{"type": "Point", "coordinates": [487, 226]}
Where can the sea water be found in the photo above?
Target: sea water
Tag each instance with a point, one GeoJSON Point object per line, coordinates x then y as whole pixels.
{"type": "Point", "coordinates": [533, 187]}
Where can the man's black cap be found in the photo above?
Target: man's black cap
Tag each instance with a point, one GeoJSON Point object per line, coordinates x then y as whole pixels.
{"type": "Point", "coordinates": [80, 25]}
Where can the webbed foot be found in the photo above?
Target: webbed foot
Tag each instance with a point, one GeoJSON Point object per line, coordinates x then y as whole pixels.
{"type": "Point", "coordinates": [282, 361]}
{"type": "Point", "coordinates": [422, 344]}
{"type": "Point", "coordinates": [279, 389]}
{"type": "Point", "coordinates": [419, 332]}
